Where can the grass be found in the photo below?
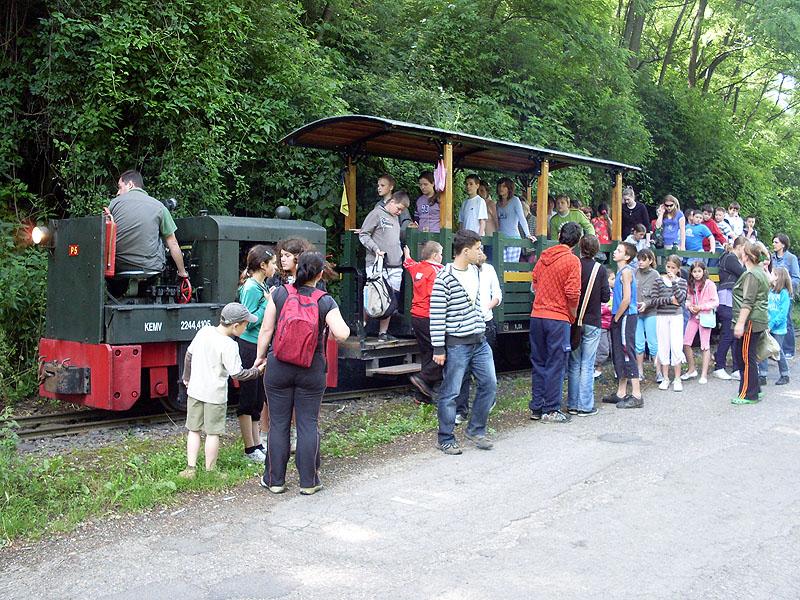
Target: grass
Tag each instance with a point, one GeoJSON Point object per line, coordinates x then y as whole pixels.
{"type": "Point", "coordinates": [42, 495]}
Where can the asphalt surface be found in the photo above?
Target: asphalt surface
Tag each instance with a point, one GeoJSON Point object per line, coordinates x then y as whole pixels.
{"type": "Point", "coordinates": [689, 497]}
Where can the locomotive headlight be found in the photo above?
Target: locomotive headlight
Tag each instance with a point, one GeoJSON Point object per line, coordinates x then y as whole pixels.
{"type": "Point", "coordinates": [40, 235]}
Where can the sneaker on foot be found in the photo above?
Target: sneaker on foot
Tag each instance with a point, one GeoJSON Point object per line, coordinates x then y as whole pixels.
{"type": "Point", "coordinates": [275, 489]}
{"type": "Point", "coordinates": [689, 375]}
{"type": "Point", "coordinates": [659, 377]}
{"type": "Point", "coordinates": [788, 356]}
{"type": "Point", "coordinates": [188, 473]}
{"type": "Point", "coordinates": [308, 491]}
{"type": "Point", "coordinates": [572, 411]}
{"type": "Point", "coordinates": [677, 385]}
{"type": "Point", "coordinates": [555, 416]}
{"type": "Point", "coordinates": [735, 376]}
{"type": "Point", "coordinates": [587, 413]}
{"type": "Point", "coordinates": [612, 399]}
{"type": "Point", "coordinates": [461, 418]}
{"type": "Point", "coordinates": [481, 441]}
{"type": "Point", "coordinates": [722, 374]}
{"type": "Point", "coordinates": [631, 401]}
{"type": "Point", "coordinates": [702, 380]}
{"type": "Point", "coordinates": [257, 456]}
{"type": "Point", "coordinates": [783, 380]}
{"type": "Point", "coordinates": [597, 373]}
{"type": "Point", "coordinates": [664, 385]}
{"type": "Point", "coordinates": [450, 448]}
{"type": "Point", "coordinates": [421, 385]}
{"type": "Point", "coordinates": [386, 337]}
{"type": "Point", "coordinates": [536, 415]}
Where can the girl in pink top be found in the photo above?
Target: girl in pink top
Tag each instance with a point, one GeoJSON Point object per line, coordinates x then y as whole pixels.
{"type": "Point", "coordinates": [701, 298]}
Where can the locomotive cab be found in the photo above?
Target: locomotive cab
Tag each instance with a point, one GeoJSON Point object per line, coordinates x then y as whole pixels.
{"type": "Point", "coordinates": [108, 351]}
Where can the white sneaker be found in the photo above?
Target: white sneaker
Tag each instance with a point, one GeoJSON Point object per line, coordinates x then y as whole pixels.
{"type": "Point", "coordinates": [722, 374]}
{"type": "Point", "coordinates": [664, 385]}
{"type": "Point", "coordinates": [690, 375]}
{"type": "Point", "coordinates": [702, 381]}
{"type": "Point", "coordinates": [735, 376]}
{"type": "Point", "coordinates": [677, 385]}
{"type": "Point", "coordinates": [257, 456]}
{"type": "Point", "coordinates": [659, 377]}
{"type": "Point", "coordinates": [597, 373]}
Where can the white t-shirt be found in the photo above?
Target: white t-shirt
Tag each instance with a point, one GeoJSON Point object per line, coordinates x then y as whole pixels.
{"type": "Point", "coordinates": [471, 212]}
{"type": "Point", "coordinates": [736, 223]}
{"type": "Point", "coordinates": [469, 281]}
{"type": "Point", "coordinates": [490, 289]}
{"type": "Point", "coordinates": [215, 356]}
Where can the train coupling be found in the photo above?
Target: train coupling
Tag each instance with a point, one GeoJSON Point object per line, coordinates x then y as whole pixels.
{"type": "Point", "coordinates": [59, 377]}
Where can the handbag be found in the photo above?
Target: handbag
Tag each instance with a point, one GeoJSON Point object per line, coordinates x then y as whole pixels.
{"type": "Point", "coordinates": [379, 299]}
{"type": "Point", "coordinates": [576, 331]}
{"type": "Point", "coordinates": [767, 347]}
{"type": "Point", "coordinates": [707, 318]}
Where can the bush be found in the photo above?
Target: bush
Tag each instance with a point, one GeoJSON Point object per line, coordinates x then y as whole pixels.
{"type": "Point", "coordinates": [23, 279]}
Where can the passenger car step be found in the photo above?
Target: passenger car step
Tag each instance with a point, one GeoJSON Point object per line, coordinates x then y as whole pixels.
{"type": "Point", "coordinates": [402, 369]}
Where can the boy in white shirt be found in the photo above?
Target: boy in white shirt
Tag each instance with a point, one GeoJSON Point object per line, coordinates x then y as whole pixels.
{"type": "Point", "coordinates": [473, 214]}
{"type": "Point", "coordinates": [211, 358]}
{"type": "Point", "coordinates": [491, 296]}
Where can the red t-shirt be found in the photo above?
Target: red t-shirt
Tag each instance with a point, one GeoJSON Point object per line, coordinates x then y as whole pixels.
{"type": "Point", "coordinates": [716, 232]}
{"type": "Point", "coordinates": [422, 276]}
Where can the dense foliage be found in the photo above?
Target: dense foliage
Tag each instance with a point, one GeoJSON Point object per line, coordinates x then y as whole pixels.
{"type": "Point", "coordinates": [701, 93]}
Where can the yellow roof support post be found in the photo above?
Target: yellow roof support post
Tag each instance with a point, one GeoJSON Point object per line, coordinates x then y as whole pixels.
{"type": "Point", "coordinates": [542, 191]}
{"type": "Point", "coordinates": [446, 214]}
{"type": "Point", "coordinates": [616, 207]}
{"type": "Point", "coordinates": [350, 187]}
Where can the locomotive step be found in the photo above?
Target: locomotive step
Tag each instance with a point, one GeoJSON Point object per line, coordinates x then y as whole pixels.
{"type": "Point", "coordinates": [403, 369]}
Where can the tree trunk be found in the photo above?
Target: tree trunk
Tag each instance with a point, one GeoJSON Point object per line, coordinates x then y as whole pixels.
{"type": "Point", "coordinates": [671, 43]}
{"type": "Point", "coordinates": [697, 30]}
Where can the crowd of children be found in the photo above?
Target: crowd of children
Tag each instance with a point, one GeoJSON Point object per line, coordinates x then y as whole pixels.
{"type": "Point", "coordinates": [631, 312]}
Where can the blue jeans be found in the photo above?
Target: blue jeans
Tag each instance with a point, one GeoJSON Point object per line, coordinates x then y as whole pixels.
{"type": "Point", "coordinates": [580, 384]}
{"type": "Point", "coordinates": [461, 360]}
{"type": "Point", "coordinates": [549, 348]}
{"type": "Point", "coordinates": [646, 332]}
{"type": "Point", "coordinates": [783, 366]}
{"type": "Point", "coordinates": [788, 341]}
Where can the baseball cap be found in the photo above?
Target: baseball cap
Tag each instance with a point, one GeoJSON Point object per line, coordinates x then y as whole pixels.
{"type": "Point", "coordinates": [236, 313]}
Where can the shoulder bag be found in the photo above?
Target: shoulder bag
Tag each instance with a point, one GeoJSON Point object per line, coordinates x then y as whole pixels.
{"type": "Point", "coordinates": [576, 331]}
{"type": "Point", "coordinates": [707, 318]}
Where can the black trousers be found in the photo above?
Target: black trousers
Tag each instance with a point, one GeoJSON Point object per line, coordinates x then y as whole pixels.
{"type": "Point", "coordinates": [251, 393]}
{"type": "Point", "coordinates": [431, 373]}
{"type": "Point", "coordinates": [292, 388]}
{"type": "Point", "coordinates": [745, 349]}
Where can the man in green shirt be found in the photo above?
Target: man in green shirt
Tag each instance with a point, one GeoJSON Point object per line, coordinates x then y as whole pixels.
{"type": "Point", "coordinates": [565, 214]}
{"type": "Point", "coordinates": [142, 223]}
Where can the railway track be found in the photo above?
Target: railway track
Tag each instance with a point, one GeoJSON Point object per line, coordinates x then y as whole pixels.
{"type": "Point", "coordinates": [75, 422]}
{"type": "Point", "coordinates": [70, 423]}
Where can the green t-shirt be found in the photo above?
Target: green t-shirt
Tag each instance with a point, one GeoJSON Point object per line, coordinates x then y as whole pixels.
{"type": "Point", "coordinates": [576, 216]}
{"type": "Point", "coordinates": [752, 291]}
{"type": "Point", "coordinates": [251, 295]}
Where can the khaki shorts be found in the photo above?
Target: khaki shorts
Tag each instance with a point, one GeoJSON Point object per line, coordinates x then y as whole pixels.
{"type": "Point", "coordinates": [205, 416]}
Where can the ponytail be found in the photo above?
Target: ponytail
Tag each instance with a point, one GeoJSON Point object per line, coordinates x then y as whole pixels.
{"type": "Point", "coordinates": [309, 266]}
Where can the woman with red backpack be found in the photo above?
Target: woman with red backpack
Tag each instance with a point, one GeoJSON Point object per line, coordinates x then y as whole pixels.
{"type": "Point", "coordinates": [295, 322]}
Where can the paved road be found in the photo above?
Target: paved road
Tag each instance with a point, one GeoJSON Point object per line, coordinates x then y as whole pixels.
{"type": "Point", "coordinates": [690, 497]}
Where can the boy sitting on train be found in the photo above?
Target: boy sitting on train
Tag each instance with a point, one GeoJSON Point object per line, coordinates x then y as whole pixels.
{"type": "Point", "coordinates": [423, 274]}
{"type": "Point", "coordinates": [211, 358]}
{"type": "Point", "coordinates": [142, 223]}
{"type": "Point", "coordinates": [380, 235]}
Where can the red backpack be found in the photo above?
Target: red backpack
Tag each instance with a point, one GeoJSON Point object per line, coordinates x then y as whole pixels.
{"type": "Point", "coordinates": [298, 328]}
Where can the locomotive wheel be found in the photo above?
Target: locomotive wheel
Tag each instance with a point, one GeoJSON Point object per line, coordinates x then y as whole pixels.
{"type": "Point", "coordinates": [176, 400]}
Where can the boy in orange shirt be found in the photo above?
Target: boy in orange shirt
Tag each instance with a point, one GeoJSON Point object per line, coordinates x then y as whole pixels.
{"type": "Point", "coordinates": [423, 274]}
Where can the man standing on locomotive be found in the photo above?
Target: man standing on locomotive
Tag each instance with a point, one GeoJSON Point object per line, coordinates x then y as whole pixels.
{"type": "Point", "coordinates": [142, 222]}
